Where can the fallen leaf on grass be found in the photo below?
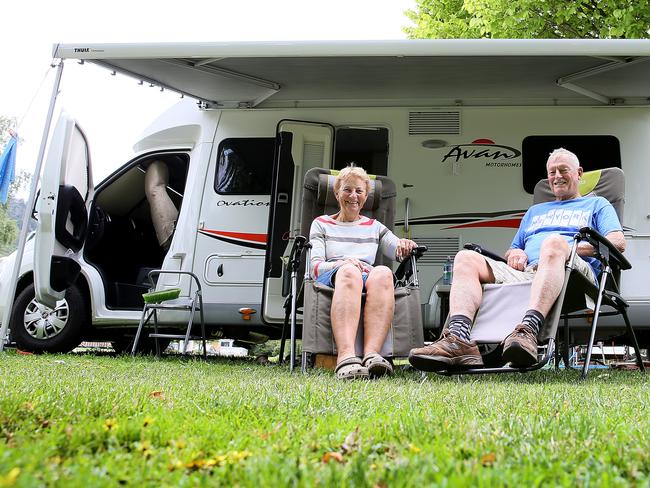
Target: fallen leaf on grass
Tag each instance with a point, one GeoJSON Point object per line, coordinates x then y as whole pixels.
{"type": "Point", "coordinates": [10, 478]}
{"type": "Point", "coordinates": [208, 464]}
{"type": "Point", "coordinates": [414, 449]}
{"type": "Point", "coordinates": [351, 442]}
{"type": "Point", "coordinates": [332, 455]}
{"type": "Point", "coordinates": [110, 424]}
{"type": "Point", "coordinates": [157, 394]}
{"type": "Point", "coordinates": [488, 459]}
{"type": "Point", "coordinates": [24, 353]}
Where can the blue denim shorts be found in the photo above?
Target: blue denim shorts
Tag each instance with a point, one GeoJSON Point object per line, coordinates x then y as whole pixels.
{"type": "Point", "coordinates": [327, 278]}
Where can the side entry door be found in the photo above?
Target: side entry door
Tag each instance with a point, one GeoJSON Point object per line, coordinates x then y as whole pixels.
{"type": "Point", "coordinates": [66, 187]}
{"type": "Point", "coordinates": [299, 146]}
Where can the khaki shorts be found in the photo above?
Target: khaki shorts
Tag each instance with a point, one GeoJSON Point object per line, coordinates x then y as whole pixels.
{"type": "Point", "coordinates": [505, 274]}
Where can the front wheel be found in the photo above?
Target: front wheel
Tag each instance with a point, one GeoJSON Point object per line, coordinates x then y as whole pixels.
{"type": "Point", "coordinates": [37, 328]}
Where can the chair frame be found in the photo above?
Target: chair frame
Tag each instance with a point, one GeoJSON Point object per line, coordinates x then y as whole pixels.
{"type": "Point", "coordinates": [613, 262]}
{"type": "Point", "coordinates": [406, 274]}
{"type": "Point", "coordinates": [150, 310]}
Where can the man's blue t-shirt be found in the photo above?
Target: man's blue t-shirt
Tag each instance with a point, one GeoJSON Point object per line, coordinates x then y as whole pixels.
{"type": "Point", "coordinates": [564, 217]}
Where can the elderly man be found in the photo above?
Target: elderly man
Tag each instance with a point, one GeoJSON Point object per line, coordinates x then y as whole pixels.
{"type": "Point", "coordinates": [538, 253]}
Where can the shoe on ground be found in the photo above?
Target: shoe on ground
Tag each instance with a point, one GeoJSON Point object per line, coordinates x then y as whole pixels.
{"type": "Point", "coordinates": [377, 365]}
{"type": "Point", "coordinates": [351, 369]}
{"type": "Point", "coordinates": [448, 352]}
{"type": "Point", "coordinates": [520, 347]}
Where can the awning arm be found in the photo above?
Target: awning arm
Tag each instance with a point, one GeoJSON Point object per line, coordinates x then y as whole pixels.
{"type": "Point", "coordinates": [567, 81]}
{"type": "Point", "coordinates": [151, 81]}
{"type": "Point", "coordinates": [199, 66]}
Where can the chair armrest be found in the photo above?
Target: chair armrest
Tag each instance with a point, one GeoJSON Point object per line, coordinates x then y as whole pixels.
{"type": "Point", "coordinates": [405, 269]}
{"type": "Point", "coordinates": [605, 250]}
{"type": "Point", "coordinates": [485, 252]}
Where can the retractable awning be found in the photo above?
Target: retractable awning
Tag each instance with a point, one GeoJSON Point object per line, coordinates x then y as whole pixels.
{"type": "Point", "coordinates": [400, 73]}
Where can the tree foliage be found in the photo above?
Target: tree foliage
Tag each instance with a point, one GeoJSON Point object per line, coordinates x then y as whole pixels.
{"type": "Point", "coordinates": [6, 123]}
{"type": "Point", "coordinates": [520, 19]}
{"type": "Point", "coordinates": [11, 212]}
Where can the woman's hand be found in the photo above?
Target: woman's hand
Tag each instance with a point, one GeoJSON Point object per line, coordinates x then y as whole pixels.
{"type": "Point", "coordinates": [404, 248]}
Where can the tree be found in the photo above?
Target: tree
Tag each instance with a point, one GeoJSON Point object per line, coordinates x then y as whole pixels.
{"type": "Point", "coordinates": [12, 211]}
{"type": "Point", "coordinates": [520, 19]}
{"type": "Point", "coordinates": [6, 123]}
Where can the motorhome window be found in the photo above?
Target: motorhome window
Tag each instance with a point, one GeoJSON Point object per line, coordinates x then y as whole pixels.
{"type": "Point", "coordinates": [365, 146]}
{"type": "Point", "coordinates": [593, 151]}
{"type": "Point", "coordinates": [244, 166]}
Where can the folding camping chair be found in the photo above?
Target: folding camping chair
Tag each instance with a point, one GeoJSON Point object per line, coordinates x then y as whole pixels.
{"type": "Point", "coordinates": [504, 305]}
{"type": "Point", "coordinates": [406, 331]}
{"type": "Point", "coordinates": [168, 301]}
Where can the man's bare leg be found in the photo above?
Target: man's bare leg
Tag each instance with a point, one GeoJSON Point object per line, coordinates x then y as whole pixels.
{"type": "Point", "coordinates": [549, 278]}
{"type": "Point", "coordinates": [470, 272]}
{"type": "Point", "coordinates": [520, 347]}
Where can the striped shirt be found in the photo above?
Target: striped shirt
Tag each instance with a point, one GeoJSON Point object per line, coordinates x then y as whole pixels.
{"type": "Point", "coordinates": [332, 240]}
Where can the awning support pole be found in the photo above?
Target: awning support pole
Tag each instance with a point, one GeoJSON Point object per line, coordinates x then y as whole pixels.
{"type": "Point", "coordinates": [28, 209]}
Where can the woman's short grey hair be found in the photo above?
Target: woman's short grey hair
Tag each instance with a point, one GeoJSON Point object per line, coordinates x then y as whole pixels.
{"type": "Point", "coordinates": [349, 172]}
{"type": "Point", "coordinates": [565, 155]}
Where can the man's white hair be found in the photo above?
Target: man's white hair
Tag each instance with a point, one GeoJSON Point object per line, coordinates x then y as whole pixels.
{"type": "Point", "coordinates": [565, 155]}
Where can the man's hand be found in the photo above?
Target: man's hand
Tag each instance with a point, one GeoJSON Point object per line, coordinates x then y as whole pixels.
{"type": "Point", "coordinates": [404, 248]}
{"type": "Point", "coordinates": [517, 259]}
{"type": "Point", "coordinates": [616, 237]}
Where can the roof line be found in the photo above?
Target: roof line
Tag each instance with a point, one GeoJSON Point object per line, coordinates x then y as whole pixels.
{"type": "Point", "coordinates": [402, 47]}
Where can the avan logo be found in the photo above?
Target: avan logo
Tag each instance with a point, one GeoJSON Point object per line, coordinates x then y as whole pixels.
{"type": "Point", "coordinates": [494, 155]}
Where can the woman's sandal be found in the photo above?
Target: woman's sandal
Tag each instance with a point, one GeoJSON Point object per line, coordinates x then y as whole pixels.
{"type": "Point", "coordinates": [377, 365]}
{"type": "Point", "coordinates": [351, 369]}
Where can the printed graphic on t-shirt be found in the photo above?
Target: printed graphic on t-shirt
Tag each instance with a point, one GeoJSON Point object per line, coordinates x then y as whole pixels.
{"type": "Point", "coordinates": [560, 218]}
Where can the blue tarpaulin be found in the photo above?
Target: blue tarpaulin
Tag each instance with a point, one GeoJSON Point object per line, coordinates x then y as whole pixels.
{"type": "Point", "coordinates": [7, 168]}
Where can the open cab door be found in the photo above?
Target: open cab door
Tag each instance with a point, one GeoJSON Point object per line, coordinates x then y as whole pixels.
{"type": "Point", "coordinates": [66, 187]}
{"type": "Point", "coordinates": [299, 146]}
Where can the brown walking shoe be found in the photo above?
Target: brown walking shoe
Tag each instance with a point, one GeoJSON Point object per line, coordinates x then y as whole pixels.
{"type": "Point", "coordinates": [520, 347]}
{"type": "Point", "coordinates": [448, 352]}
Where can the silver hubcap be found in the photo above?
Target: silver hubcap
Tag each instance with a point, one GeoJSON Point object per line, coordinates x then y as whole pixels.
{"type": "Point", "coordinates": [42, 322]}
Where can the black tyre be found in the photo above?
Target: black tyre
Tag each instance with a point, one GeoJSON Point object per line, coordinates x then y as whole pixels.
{"type": "Point", "coordinates": [37, 328]}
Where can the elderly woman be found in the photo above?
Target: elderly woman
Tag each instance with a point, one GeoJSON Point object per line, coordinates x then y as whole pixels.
{"type": "Point", "coordinates": [344, 246]}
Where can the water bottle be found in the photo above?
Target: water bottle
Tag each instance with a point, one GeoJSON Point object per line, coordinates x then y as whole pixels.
{"type": "Point", "coordinates": [447, 271]}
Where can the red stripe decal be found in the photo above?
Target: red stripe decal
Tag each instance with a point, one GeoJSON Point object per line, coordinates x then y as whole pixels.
{"type": "Point", "coordinates": [510, 223]}
{"type": "Point", "coordinates": [245, 236]}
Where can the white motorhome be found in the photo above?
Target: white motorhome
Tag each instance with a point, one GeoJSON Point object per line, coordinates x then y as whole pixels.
{"type": "Point", "coordinates": [462, 126]}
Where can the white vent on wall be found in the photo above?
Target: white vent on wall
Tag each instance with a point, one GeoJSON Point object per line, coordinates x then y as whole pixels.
{"type": "Point", "coordinates": [422, 123]}
{"type": "Point", "coordinates": [438, 249]}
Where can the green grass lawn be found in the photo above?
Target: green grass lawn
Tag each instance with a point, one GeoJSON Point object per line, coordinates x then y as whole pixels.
{"type": "Point", "coordinates": [84, 420]}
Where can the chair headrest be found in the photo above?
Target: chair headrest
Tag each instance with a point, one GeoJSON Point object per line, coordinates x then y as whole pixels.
{"type": "Point", "coordinates": [608, 183]}
{"type": "Point", "coordinates": [327, 198]}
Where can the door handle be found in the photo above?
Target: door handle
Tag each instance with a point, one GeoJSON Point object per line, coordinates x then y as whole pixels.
{"type": "Point", "coordinates": [220, 271]}
{"type": "Point", "coordinates": [283, 198]}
